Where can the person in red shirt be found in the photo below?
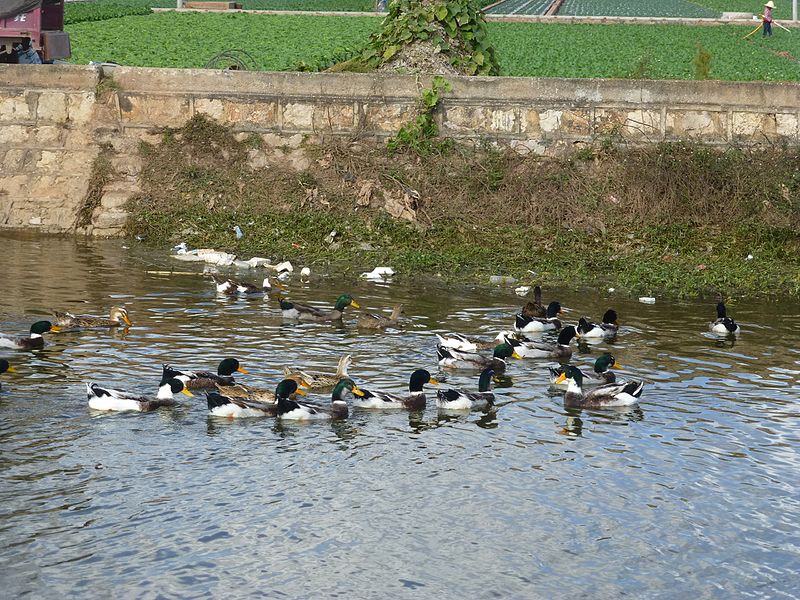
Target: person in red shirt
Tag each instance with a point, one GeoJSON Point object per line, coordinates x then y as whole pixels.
{"type": "Point", "coordinates": [767, 19]}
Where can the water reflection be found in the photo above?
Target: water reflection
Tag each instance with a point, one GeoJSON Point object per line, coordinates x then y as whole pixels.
{"type": "Point", "coordinates": [175, 503]}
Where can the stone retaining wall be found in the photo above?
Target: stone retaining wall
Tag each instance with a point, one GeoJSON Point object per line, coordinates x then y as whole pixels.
{"type": "Point", "coordinates": [56, 120]}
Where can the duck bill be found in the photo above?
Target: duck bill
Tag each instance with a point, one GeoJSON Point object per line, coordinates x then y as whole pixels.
{"type": "Point", "coordinates": [187, 393]}
{"type": "Point", "coordinates": [300, 392]}
{"type": "Point", "coordinates": [279, 285]}
{"type": "Point", "coordinates": [127, 320]}
{"type": "Point", "coordinates": [357, 391]}
{"type": "Point", "coordinates": [433, 381]}
{"type": "Point", "coordinates": [355, 304]}
{"type": "Point", "coordinates": [11, 370]}
{"type": "Point", "coordinates": [616, 365]}
{"type": "Point", "coordinates": [561, 378]}
{"type": "Point", "coordinates": [55, 328]}
{"type": "Point", "coordinates": [242, 370]}
{"type": "Point", "coordinates": [515, 354]}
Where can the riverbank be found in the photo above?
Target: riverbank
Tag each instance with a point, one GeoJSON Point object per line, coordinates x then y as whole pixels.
{"type": "Point", "coordinates": [673, 218]}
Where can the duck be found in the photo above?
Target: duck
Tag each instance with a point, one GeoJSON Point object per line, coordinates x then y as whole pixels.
{"type": "Point", "coordinates": [535, 308]}
{"type": "Point", "coordinates": [232, 287]}
{"type": "Point", "coordinates": [255, 394]}
{"type": "Point", "coordinates": [34, 342]}
{"type": "Point", "coordinates": [549, 322]}
{"type": "Point", "coordinates": [414, 400]}
{"type": "Point", "coordinates": [118, 317]}
{"type": "Point", "coordinates": [109, 399]}
{"type": "Point", "coordinates": [600, 375]}
{"type": "Point", "coordinates": [724, 325]}
{"type": "Point", "coordinates": [319, 381]}
{"type": "Point", "coordinates": [375, 321]}
{"type": "Point", "coordinates": [560, 350]}
{"type": "Point", "coordinates": [200, 380]}
{"type": "Point", "coordinates": [228, 405]}
{"type": "Point", "coordinates": [304, 312]}
{"type": "Point", "coordinates": [471, 360]}
{"type": "Point", "coordinates": [608, 328]}
{"type": "Point", "coordinates": [5, 367]}
{"type": "Point", "coordinates": [612, 394]}
{"type": "Point", "coordinates": [456, 341]}
{"type": "Point", "coordinates": [456, 399]}
{"type": "Point", "coordinates": [292, 410]}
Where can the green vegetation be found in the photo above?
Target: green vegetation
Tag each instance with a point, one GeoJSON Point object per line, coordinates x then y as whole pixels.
{"type": "Point", "coordinates": [598, 218]}
{"type": "Point", "coordinates": [636, 8]}
{"type": "Point", "coordinates": [420, 136]}
{"type": "Point", "coordinates": [523, 49]}
{"type": "Point", "coordinates": [79, 12]}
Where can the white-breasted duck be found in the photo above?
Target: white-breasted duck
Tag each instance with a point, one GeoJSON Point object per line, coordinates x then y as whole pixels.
{"type": "Point", "coordinates": [609, 395]}
{"type": "Point", "coordinates": [111, 399]}
{"type": "Point", "coordinates": [457, 399]}
{"type": "Point", "coordinates": [560, 350]}
{"type": "Point", "coordinates": [292, 410]}
{"type": "Point", "coordinates": [202, 380]}
{"type": "Point", "coordinates": [549, 322]}
{"type": "Point", "coordinates": [236, 407]}
{"type": "Point", "coordinates": [232, 287]}
{"type": "Point", "coordinates": [600, 375]}
{"type": "Point", "coordinates": [33, 342]}
{"type": "Point", "coordinates": [608, 328]}
{"type": "Point", "coordinates": [415, 398]}
{"type": "Point", "coordinates": [724, 325]}
{"type": "Point", "coordinates": [455, 359]}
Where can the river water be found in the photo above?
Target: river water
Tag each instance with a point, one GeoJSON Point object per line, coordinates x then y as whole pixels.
{"type": "Point", "coordinates": [692, 493]}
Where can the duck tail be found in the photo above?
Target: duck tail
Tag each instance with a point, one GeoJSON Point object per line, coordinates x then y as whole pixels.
{"type": "Point", "coordinates": [341, 368]}
{"type": "Point", "coordinates": [537, 295]}
{"type": "Point", "coordinates": [520, 321]}
{"type": "Point", "coordinates": [443, 352]}
{"type": "Point", "coordinates": [216, 400]}
{"type": "Point", "coordinates": [634, 388]}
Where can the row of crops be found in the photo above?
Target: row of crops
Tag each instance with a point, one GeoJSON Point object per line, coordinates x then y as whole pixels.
{"type": "Point", "coordinates": [636, 8]}
{"type": "Point", "coordinates": [520, 7]}
{"type": "Point", "coordinates": [282, 42]}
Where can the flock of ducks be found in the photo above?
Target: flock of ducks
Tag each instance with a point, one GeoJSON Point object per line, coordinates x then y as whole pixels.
{"type": "Point", "coordinates": [227, 397]}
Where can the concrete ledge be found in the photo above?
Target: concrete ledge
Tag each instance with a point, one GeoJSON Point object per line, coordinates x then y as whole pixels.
{"type": "Point", "coordinates": [50, 77]}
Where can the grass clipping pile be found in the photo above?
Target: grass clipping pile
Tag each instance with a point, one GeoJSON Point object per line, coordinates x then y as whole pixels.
{"type": "Point", "coordinates": [677, 217]}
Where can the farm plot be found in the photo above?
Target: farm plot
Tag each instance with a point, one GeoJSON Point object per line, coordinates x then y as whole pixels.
{"type": "Point", "coordinates": [636, 8]}
{"type": "Point", "coordinates": [520, 7]}
{"type": "Point", "coordinates": [280, 42]}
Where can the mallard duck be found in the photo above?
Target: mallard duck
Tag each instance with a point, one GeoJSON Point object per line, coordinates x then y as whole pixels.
{"type": "Point", "coordinates": [34, 342]}
{"type": "Point", "coordinates": [291, 410]}
{"type": "Point", "coordinates": [375, 321]}
{"type": "Point", "coordinates": [227, 405]}
{"type": "Point", "coordinates": [5, 367]}
{"type": "Point", "coordinates": [600, 375]}
{"type": "Point", "coordinates": [560, 350]}
{"type": "Point", "coordinates": [415, 399]}
{"type": "Point", "coordinates": [535, 308]}
{"type": "Point", "coordinates": [231, 287]}
{"type": "Point", "coordinates": [724, 325]}
{"type": "Point", "coordinates": [118, 317]}
{"type": "Point", "coordinates": [256, 394]}
{"type": "Point", "coordinates": [303, 312]}
{"type": "Point", "coordinates": [318, 381]}
{"type": "Point", "coordinates": [608, 328]}
{"type": "Point", "coordinates": [460, 400]}
{"type": "Point", "coordinates": [470, 360]}
{"type": "Point", "coordinates": [456, 341]}
{"type": "Point", "coordinates": [532, 324]}
{"type": "Point", "coordinates": [612, 394]}
{"type": "Point", "coordinates": [101, 398]}
{"type": "Point", "coordinates": [200, 380]}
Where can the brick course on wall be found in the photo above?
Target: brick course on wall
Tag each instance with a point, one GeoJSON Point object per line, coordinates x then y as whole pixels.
{"type": "Point", "coordinates": [55, 119]}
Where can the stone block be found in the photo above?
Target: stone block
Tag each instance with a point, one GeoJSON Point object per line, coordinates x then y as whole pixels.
{"type": "Point", "coordinates": [759, 126]}
{"type": "Point", "coordinates": [787, 125]}
{"type": "Point", "coordinates": [388, 118]}
{"type": "Point", "coordinates": [114, 200]}
{"type": "Point", "coordinates": [52, 106]}
{"type": "Point", "coordinates": [111, 219]}
{"type": "Point", "coordinates": [14, 108]}
{"type": "Point", "coordinates": [80, 107]}
{"type": "Point", "coordinates": [529, 122]}
{"type": "Point", "coordinates": [480, 119]}
{"type": "Point", "coordinates": [565, 122]}
{"type": "Point", "coordinates": [298, 116]}
{"type": "Point", "coordinates": [643, 124]}
{"type": "Point", "coordinates": [15, 134]}
{"type": "Point", "coordinates": [333, 117]}
{"type": "Point", "coordinates": [210, 107]}
{"type": "Point", "coordinates": [254, 115]}
{"type": "Point", "coordinates": [703, 124]}
{"type": "Point", "coordinates": [153, 110]}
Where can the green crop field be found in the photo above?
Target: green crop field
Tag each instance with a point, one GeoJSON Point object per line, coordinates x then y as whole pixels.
{"type": "Point", "coordinates": [520, 7]}
{"type": "Point", "coordinates": [279, 42]}
{"type": "Point", "coordinates": [636, 8]}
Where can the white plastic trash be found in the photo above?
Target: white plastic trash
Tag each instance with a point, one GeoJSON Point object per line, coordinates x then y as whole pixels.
{"type": "Point", "coordinates": [647, 300]}
{"type": "Point", "coordinates": [379, 274]}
